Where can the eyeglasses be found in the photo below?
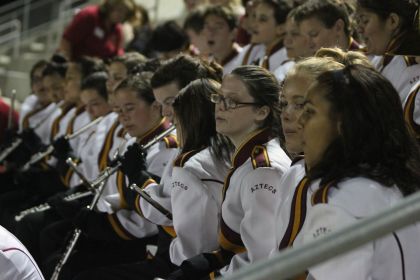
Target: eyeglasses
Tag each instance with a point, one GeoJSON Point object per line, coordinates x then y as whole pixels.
{"type": "Point", "coordinates": [229, 103]}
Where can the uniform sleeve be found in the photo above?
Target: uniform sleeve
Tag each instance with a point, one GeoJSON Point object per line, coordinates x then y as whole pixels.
{"type": "Point", "coordinates": [15, 264]}
{"type": "Point", "coordinates": [79, 28]}
{"type": "Point", "coordinates": [196, 215]}
{"type": "Point", "coordinates": [161, 193]}
{"type": "Point", "coordinates": [259, 195]}
{"type": "Point", "coordinates": [357, 264]}
{"type": "Point", "coordinates": [416, 113]}
{"type": "Point", "coordinates": [129, 225]}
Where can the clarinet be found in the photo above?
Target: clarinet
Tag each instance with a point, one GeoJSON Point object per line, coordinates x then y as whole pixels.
{"type": "Point", "coordinates": [40, 155]}
{"type": "Point", "coordinates": [45, 206]}
{"type": "Point", "coordinates": [75, 236]}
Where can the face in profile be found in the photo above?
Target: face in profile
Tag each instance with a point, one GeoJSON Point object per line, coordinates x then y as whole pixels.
{"type": "Point", "coordinates": [73, 83]}
{"type": "Point", "coordinates": [134, 113]}
{"type": "Point", "coordinates": [237, 121]}
{"type": "Point", "coordinates": [54, 87]}
{"type": "Point", "coordinates": [117, 72]}
{"type": "Point", "coordinates": [318, 35]}
{"type": "Point", "coordinates": [96, 105]}
{"type": "Point", "coordinates": [296, 44]}
{"type": "Point", "coordinates": [319, 128]}
{"type": "Point", "coordinates": [376, 33]}
{"type": "Point", "coordinates": [218, 34]}
{"type": "Point", "coordinates": [165, 96]}
{"type": "Point", "coordinates": [265, 29]}
{"type": "Point", "coordinates": [292, 100]}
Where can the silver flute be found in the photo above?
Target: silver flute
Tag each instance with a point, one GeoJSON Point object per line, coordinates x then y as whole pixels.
{"type": "Point", "coordinates": [16, 143]}
{"type": "Point", "coordinates": [107, 172]}
{"type": "Point", "coordinates": [76, 235]}
{"type": "Point", "coordinates": [86, 182]}
{"type": "Point", "coordinates": [40, 155]}
{"type": "Point", "coordinates": [152, 202]}
{"type": "Point", "coordinates": [103, 178]}
{"type": "Point", "coordinates": [8, 150]}
{"type": "Point", "coordinates": [45, 206]}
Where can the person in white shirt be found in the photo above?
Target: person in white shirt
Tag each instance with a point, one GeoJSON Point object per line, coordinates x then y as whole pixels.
{"type": "Point", "coordinates": [392, 34]}
{"type": "Point", "coordinates": [268, 29]}
{"type": "Point", "coordinates": [220, 29]}
{"type": "Point", "coordinates": [16, 263]}
{"type": "Point", "coordinates": [247, 113]}
{"type": "Point", "coordinates": [31, 102]}
{"type": "Point", "coordinates": [349, 177]}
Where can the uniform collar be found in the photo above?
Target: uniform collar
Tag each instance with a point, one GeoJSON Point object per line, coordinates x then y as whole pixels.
{"type": "Point", "coordinates": [244, 151]}
{"type": "Point", "coordinates": [234, 52]}
{"type": "Point", "coordinates": [355, 46]}
{"type": "Point", "coordinates": [155, 131]}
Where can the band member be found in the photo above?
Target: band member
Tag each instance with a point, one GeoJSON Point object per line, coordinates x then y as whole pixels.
{"type": "Point", "coordinates": [122, 236]}
{"type": "Point", "coordinates": [392, 34]}
{"type": "Point", "coordinates": [31, 102]}
{"type": "Point", "coordinates": [15, 260]}
{"type": "Point", "coordinates": [197, 186]}
{"type": "Point", "coordinates": [94, 97]}
{"type": "Point", "coordinates": [268, 29]}
{"type": "Point", "coordinates": [296, 44]}
{"type": "Point", "coordinates": [326, 23]}
{"type": "Point", "coordinates": [247, 113]}
{"type": "Point", "coordinates": [220, 28]}
{"type": "Point", "coordinates": [349, 178]}
{"type": "Point", "coordinates": [177, 73]}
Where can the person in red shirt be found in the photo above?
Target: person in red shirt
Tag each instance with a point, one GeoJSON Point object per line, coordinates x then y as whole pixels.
{"type": "Point", "coordinates": [4, 117]}
{"type": "Point", "coordinates": [96, 30]}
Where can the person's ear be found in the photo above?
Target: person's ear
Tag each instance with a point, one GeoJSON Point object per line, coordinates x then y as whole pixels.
{"type": "Point", "coordinates": [339, 26]}
{"type": "Point", "coordinates": [233, 34]}
{"type": "Point", "coordinates": [262, 113]}
{"type": "Point", "coordinates": [393, 22]}
{"type": "Point", "coordinates": [280, 30]}
{"type": "Point", "coordinates": [156, 106]}
{"type": "Point", "coordinates": [340, 128]}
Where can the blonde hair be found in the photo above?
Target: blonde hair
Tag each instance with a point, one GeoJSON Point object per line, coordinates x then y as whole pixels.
{"type": "Point", "coordinates": [326, 59]}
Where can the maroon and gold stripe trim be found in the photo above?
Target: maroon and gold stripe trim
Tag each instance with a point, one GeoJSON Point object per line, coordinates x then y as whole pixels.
{"type": "Point", "coordinates": [118, 228]}
{"type": "Point", "coordinates": [266, 59]}
{"type": "Point", "coordinates": [259, 157]}
{"type": "Point", "coordinates": [321, 194]}
{"type": "Point", "coordinates": [70, 126]}
{"type": "Point", "coordinates": [183, 158]}
{"type": "Point", "coordinates": [297, 214]}
{"type": "Point", "coordinates": [155, 131]}
{"type": "Point", "coordinates": [25, 122]}
{"type": "Point", "coordinates": [409, 113]}
{"type": "Point", "coordinates": [230, 240]}
{"type": "Point", "coordinates": [103, 158]}
{"type": "Point", "coordinates": [171, 142]}
{"type": "Point", "coordinates": [120, 185]}
{"type": "Point", "coordinates": [55, 127]}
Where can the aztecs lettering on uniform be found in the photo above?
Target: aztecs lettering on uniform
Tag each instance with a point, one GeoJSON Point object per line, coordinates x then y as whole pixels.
{"type": "Point", "coordinates": [414, 80]}
{"type": "Point", "coordinates": [263, 186]}
{"type": "Point", "coordinates": [320, 231]}
{"type": "Point", "coordinates": [177, 184]}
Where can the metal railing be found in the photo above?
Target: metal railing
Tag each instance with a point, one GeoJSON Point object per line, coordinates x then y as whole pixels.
{"type": "Point", "coordinates": [10, 33]}
{"type": "Point", "coordinates": [294, 261]}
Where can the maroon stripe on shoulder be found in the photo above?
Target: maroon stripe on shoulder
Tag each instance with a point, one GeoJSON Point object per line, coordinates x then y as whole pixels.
{"type": "Point", "coordinates": [232, 236]}
{"type": "Point", "coordinates": [302, 188]}
{"type": "Point", "coordinates": [183, 158]}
